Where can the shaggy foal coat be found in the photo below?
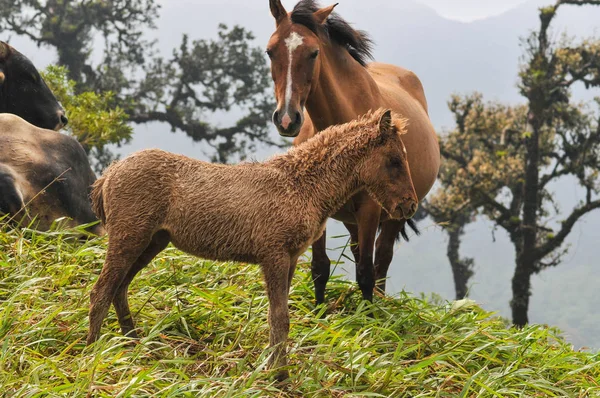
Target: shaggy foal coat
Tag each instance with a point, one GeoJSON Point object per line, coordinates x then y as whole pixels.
{"type": "Point", "coordinates": [264, 213]}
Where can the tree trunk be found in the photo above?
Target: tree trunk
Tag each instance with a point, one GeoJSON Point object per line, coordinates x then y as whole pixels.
{"type": "Point", "coordinates": [521, 289]}
{"type": "Point", "coordinates": [461, 268]}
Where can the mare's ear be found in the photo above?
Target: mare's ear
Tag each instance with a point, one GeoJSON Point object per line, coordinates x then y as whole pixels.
{"type": "Point", "coordinates": [278, 11]}
{"type": "Point", "coordinates": [322, 14]}
{"type": "Point", "coordinates": [385, 122]}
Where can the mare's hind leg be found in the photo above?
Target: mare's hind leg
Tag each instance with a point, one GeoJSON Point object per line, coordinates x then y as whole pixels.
{"type": "Point", "coordinates": [390, 230]}
{"type": "Point", "coordinates": [320, 267]}
{"type": "Point", "coordinates": [159, 241]}
{"type": "Point", "coordinates": [122, 253]}
{"type": "Point", "coordinates": [367, 218]}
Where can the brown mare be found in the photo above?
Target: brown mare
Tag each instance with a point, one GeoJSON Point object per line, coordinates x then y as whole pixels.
{"type": "Point", "coordinates": [318, 65]}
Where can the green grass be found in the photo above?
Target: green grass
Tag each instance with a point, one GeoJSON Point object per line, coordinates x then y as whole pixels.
{"type": "Point", "coordinates": [205, 333]}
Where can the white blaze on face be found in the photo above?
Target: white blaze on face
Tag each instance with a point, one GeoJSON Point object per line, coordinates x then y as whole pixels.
{"type": "Point", "coordinates": [293, 41]}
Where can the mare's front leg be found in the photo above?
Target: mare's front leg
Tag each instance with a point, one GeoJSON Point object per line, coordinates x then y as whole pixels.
{"type": "Point", "coordinates": [320, 267]}
{"type": "Point", "coordinates": [390, 230]}
{"type": "Point", "coordinates": [277, 279]}
{"type": "Point", "coordinates": [354, 247]}
{"type": "Point", "coordinates": [367, 218]}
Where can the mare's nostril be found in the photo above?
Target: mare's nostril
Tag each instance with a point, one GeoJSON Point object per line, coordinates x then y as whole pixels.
{"type": "Point", "coordinates": [276, 117]}
{"type": "Point", "coordinates": [298, 117]}
{"type": "Point", "coordinates": [63, 119]}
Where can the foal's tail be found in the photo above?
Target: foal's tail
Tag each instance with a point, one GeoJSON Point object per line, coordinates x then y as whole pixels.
{"type": "Point", "coordinates": [413, 225]}
{"type": "Point", "coordinates": [98, 199]}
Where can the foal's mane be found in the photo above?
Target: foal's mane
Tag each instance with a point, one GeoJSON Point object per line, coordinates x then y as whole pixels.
{"type": "Point", "coordinates": [358, 136]}
{"type": "Point", "coordinates": [336, 29]}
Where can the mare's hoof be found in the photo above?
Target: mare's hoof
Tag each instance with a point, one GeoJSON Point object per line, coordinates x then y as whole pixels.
{"type": "Point", "coordinates": [321, 310]}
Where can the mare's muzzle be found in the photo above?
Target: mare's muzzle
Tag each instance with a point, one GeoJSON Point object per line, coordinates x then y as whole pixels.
{"type": "Point", "coordinates": [288, 124]}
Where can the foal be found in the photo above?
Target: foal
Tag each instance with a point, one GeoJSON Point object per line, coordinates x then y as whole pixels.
{"type": "Point", "coordinates": [264, 213]}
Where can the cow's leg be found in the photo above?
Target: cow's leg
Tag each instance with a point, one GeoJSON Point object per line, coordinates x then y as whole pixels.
{"type": "Point", "coordinates": [384, 249]}
{"type": "Point", "coordinates": [11, 200]}
{"type": "Point", "coordinates": [320, 267]}
{"type": "Point", "coordinates": [160, 240]}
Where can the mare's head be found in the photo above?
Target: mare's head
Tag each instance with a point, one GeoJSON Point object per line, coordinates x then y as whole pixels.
{"type": "Point", "coordinates": [296, 51]}
{"type": "Point", "coordinates": [24, 93]}
{"type": "Point", "coordinates": [385, 171]}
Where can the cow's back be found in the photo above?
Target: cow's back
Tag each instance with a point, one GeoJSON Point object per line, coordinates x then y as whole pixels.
{"type": "Point", "coordinates": [53, 173]}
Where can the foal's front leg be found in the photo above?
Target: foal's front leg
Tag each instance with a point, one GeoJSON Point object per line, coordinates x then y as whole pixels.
{"type": "Point", "coordinates": [277, 276]}
{"type": "Point", "coordinates": [367, 218]}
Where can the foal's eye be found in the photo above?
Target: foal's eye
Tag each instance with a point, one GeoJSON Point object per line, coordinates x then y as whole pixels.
{"type": "Point", "coordinates": [395, 163]}
{"type": "Point", "coordinates": [270, 53]}
{"type": "Point", "coordinates": [314, 54]}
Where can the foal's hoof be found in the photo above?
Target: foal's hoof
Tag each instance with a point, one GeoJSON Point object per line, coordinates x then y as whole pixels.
{"type": "Point", "coordinates": [282, 375]}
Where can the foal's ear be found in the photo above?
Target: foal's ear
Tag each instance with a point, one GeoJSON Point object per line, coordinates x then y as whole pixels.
{"type": "Point", "coordinates": [278, 11]}
{"type": "Point", "coordinates": [385, 122]}
{"type": "Point", "coordinates": [322, 14]}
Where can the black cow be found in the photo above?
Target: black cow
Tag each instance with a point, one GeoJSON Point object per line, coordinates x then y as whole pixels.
{"type": "Point", "coordinates": [44, 175]}
{"type": "Point", "coordinates": [23, 92]}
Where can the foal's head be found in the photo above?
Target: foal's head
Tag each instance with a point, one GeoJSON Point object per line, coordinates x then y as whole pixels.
{"type": "Point", "coordinates": [386, 173]}
{"type": "Point", "coordinates": [295, 49]}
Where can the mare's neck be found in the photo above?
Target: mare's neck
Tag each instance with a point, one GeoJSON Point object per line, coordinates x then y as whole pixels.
{"type": "Point", "coordinates": [344, 89]}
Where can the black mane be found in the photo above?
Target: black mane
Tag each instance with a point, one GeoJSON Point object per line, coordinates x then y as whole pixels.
{"type": "Point", "coordinates": [357, 42]}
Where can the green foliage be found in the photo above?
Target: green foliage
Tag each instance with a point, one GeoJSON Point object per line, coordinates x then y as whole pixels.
{"type": "Point", "coordinates": [201, 77]}
{"type": "Point", "coordinates": [205, 333]}
{"type": "Point", "coordinates": [94, 119]}
{"type": "Point", "coordinates": [501, 160]}
{"type": "Point", "coordinates": [70, 26]}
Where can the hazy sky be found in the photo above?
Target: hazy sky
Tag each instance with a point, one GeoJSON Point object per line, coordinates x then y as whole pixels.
{"type": "Point", "coordinates": [468, 10]}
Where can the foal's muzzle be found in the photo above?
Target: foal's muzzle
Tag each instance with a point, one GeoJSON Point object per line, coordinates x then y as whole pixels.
{"type": "Point", "coordinates": [288, 125]}
{"type": "Point", "coordinates": [408, 208]}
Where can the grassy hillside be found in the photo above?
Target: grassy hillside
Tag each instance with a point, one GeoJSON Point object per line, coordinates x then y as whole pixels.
{"type": "Point", "coordinates": [205, 332]}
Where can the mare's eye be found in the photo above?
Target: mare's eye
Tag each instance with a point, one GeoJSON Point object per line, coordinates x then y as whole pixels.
{"type": "Point", "coordinates": [314, 54]}
{"type": "Point", "coordinates": [270, 53]}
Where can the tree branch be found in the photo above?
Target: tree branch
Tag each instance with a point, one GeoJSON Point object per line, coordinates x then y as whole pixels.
{"type": "Point", "coordinates": [567, 225]}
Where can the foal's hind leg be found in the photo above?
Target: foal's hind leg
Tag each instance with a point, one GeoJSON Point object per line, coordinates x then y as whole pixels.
{"type": "Point", "coordinates": [390, 230]}
{"type": "Point", "coordinates": [320, 267]}
{"type": "Point", "coordinates": [120, 257]}
{"type": "Point", "coordinates": [159, 241]}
